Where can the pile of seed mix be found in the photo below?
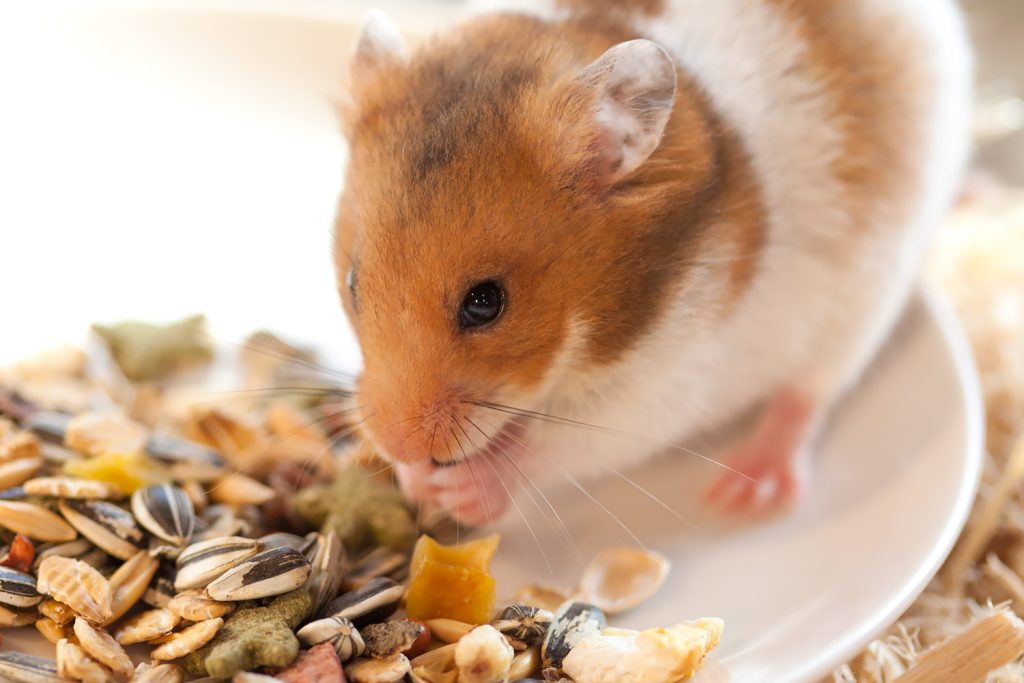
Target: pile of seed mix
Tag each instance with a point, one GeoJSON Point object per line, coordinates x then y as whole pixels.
{"type": "Point", "coordinates": [156, 532]}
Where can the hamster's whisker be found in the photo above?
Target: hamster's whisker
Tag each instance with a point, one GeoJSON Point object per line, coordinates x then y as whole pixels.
{"type": "Point", "coordinates": [448, 490]}
{"type": "Point", "coordinates": [572, 480]}
{"type": "Point", "coordinates": [553, 419]}
{"type": "Point", "coordinates": [522, 473]}
{"type": "Point", "coordinates": [477, 479]}
{"type": "Point", "coordinates": [515, 504]}
{"type": "Point", "coordinates": [659, 501]}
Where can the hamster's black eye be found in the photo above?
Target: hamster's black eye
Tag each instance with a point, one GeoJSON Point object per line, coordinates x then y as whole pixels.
{"type": "Point", "coordinates": [482, 305]}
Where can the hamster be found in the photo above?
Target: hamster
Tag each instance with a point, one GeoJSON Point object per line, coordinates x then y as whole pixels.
{"type": "Point", "coordinates": [648, 216]}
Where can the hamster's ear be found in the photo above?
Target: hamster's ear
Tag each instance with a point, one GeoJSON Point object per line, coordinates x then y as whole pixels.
{"type": "Point", "coordinates": [628, 93]}
{"type": "Point", "coordinates": [380, 45]}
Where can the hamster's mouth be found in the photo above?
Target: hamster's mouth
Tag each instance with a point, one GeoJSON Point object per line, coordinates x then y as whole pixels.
{"type": "Point", "coordinates": [504, 444]}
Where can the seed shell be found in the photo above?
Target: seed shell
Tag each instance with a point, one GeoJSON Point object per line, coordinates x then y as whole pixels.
{"type": "Point", "coordinates": [111, 528]}
{"type": "Point", "coordinates": [194, 606]}
{"type": "Point", "coordinates": [78, 585]}
{"type": "Point", "coordinates": [338, 631]}
{"type": "Point", "coordinates": [188, 640]}
{"type": "Point", "coordinates": [146, 625]}
{"type": "Point", "coordinates": [161, 673]}
{"type": "Point", "coordinates": [50, 630]}
{"type": "Point", "coordinates": [390, 670]}
{"type": "Point", "coordinates": [23, 668]}
{"type": "Point", "coordinates": [272, 572]}
{"type": "Point", "coordinates": [35, 522]}
{"type": "Point", "coordinates": [129, 582]}
{"type": "Point", "coordinates": [201, 563]}
{"type": "Point", "coordinates": [166, 511]}
{"type": "Point", "coordinates": [571, 623]}
{"type": "Point", "coordinates": [71, 487]}
{"type": "Point", "coordinates": [374, 602]}
{"type": "Point", "coordinates": [101, 647]}
{"type": "Point", "coordinates": [240, 489]}
{"type": "Point", "coordinates": [16, 472]}
{"type": "Point", "coordinates": [56, 611]}
{"type": "Point", "coordinates": [18, 589]}
{"type": "Point", "coordinates": [74, 664]}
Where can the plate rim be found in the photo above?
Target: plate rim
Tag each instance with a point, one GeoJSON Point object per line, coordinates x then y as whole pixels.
{"type": "Point", "coordinates": [952, 332]}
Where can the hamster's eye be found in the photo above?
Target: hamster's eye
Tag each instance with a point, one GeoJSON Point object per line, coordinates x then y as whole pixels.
{"type": "Point", "coordinates": [482, 305]}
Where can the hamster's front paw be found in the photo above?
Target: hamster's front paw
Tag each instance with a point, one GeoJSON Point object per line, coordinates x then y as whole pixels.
{"type": "Point", "coordinates": [472, 492]}
{"type": "Point", "coordinates": [769, 469]}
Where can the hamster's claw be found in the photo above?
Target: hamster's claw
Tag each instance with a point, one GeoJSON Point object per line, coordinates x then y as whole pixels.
{"type": "Point", "coordinates": [768, 471]}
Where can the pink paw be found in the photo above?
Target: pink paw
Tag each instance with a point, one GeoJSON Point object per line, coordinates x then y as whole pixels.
{"type": "Point", "coordinates": [769, 470]}
{"type": "Point", "coordinates": [773, 481]}
{"type": "Point", "coordinates": [469, 491]}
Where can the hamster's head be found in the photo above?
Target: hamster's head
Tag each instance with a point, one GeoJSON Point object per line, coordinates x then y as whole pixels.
{"type": "Point", "coordinates": [494, 234]}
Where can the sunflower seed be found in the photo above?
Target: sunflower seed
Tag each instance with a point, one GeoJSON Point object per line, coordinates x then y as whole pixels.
{"type": "Point", "coordinates": [165, 510]}
{"type": "Point", "coordinates": [374, 602]}
{"type": "Point", "coordinates": [77, 585]}
{"type": "Point", "coordinates": [161, 588]}
{"type": "Point", "coordinates": [18, 589]}
{"type": "Point", "coordinates": [283, 539]}
{"type": "Point", "coordinates": [194, 606]}
{"type": "Point", "coordinates": [101, 647]}
{"type": "Point", "coordinates": [170, 448]}
{"type": "Point", "coordinates": [16, 472]}
{"type": "Point", "coordinates": [36, 522]}
{"type": "Point", "coordinates": [12, 493]}
{"type": "Point", "coordinates": [327, 559]}
{"type": "Point", "coordinates": [272, 572]}
{"type": "Point", "coordinates": [188, 640]}
{"type": "Point", "coordinates": [71, 487]}
{"type": "Point", "coordinates": [338, 631]}
{"type": "Point", "coordinates": [146, 626]}
{"type": "Point", "coordinates": [571, 623]}
{"type": "Point", "coordinates": [73, 664]}
{"type": "Point", "coordinates": [75, 548]}
{"type": "Point", "coordinates": [201, 563]}
{"type": "Point", "coordinates": [111, 528]}
{"type": "Point", "coordinates": [23, 668]}
{"type": "Point", "coordinates": [48, 426]}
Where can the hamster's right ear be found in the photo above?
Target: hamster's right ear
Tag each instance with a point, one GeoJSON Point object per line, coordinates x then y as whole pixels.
{"type": "Point", "coordinates": [380, 45]}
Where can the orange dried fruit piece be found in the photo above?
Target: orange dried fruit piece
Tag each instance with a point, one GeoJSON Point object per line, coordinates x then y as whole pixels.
{"type": "Point", "coordinates": [126, 471]}
{"type": "Point", "coordinates": [452, 582]}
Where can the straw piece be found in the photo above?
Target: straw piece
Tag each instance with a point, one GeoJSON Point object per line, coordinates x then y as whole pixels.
{"type": "Point", "coordinates": [985, 645]}
{"type": "Point", "coordinates": [978, 536]}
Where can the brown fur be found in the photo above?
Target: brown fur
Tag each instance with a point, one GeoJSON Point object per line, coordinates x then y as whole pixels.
{"type": "Point", "coordinates": [474, 162]}
{"type": "Point", "coordinates": [855, 57]}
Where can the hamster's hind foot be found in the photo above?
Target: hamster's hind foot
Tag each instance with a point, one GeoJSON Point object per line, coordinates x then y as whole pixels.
{"type": "Point", "coordinates": [769, 469]}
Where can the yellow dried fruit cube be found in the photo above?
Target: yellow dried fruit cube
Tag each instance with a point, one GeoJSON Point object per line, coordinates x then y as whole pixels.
{"type": "Point", "coordinates": [126, 471]}
{"type": "Point", "coordinates": [452, 582]}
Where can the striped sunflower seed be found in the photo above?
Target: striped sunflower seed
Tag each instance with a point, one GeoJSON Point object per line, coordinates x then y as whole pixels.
{"type": "Point", "coordinates": [201, 563]}
{"type": "Point", "coordinates": [272, 572]}
{"type": "Point", "coordinates": [109, 527]}
{"type": "Point", "coordinates": [166, 511]}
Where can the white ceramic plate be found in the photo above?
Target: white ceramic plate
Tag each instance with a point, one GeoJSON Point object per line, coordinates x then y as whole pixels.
{"type": "Point", "coordinates": [160, 161]}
